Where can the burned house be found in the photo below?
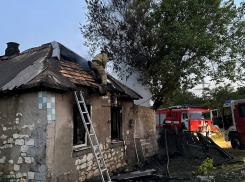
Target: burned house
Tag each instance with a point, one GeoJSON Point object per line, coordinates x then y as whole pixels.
{"type": "Point", "coordinates": [42, 137]}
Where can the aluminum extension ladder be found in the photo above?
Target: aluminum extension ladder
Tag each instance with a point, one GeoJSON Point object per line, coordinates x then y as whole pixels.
{"type": "Point", "coordinates": [99, 159]}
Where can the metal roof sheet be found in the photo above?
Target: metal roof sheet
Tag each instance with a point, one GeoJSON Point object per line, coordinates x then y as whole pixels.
{"type": "Point", "coordinates": [20, 69]}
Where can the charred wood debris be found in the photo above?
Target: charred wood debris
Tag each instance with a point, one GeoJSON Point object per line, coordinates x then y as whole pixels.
{"type": "Point", "coordinates": [171, 144]}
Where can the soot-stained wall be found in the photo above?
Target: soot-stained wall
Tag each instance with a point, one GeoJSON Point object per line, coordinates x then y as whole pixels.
{"type": "Point", "coordinates": [23, 137]}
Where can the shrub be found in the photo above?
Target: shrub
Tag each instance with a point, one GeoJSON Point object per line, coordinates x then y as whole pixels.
{"type": "Point", "coordinates": [204, 167]}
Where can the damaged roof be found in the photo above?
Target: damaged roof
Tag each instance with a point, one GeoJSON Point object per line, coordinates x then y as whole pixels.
{"type": "Point", "coordinates": [54, 66]}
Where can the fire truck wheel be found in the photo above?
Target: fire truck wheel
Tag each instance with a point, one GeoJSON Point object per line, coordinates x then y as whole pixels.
{"type": "Point", "coordinates": [236, 142]}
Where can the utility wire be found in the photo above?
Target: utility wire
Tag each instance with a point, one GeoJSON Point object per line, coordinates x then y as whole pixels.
{"type": "Point", "coordinates": [145, 101]}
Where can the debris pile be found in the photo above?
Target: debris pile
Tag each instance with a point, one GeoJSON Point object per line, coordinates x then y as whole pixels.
{"type": "Point", "coordinates": [179, 153]}
{"type": "Point", "coordinates": [194, 144]}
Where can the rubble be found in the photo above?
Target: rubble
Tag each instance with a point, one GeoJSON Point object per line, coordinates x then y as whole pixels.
{"type": "Point", "coordinates": [194, 144]}
{"type": "Point", "coordinates": [186, 151]}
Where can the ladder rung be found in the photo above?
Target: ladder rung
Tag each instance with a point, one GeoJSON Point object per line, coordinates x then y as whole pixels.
{"type": "Point", "coordinates": [99, 158]}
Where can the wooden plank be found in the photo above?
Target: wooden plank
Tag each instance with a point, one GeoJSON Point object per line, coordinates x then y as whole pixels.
{"type": "Point", "coordinates": [139, 151]}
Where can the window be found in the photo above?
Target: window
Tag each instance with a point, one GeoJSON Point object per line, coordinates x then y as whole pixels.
{"type": "Point", "coordinates": [227, 117]}
{"type": "Point", "coordinates": [184, 115]}
{"type": "Point", "coordinates": [241, 109]}
{"type": "Point", "coordinates": [199, 115]}
{"type": "Point", "coordinates": [227, 111]}
{"type": "Point", "coordinates": [174, 115]}
{"type": "Point", "coordinates": [216, 113]}
{"type": "Point", "coordinates": [79, 132]}
{"type": "Point", "coordinates": [157, 119]}
{"type": "Point", "coordinates": [162, 118]}
{"type": "Point", "coordinates": [116, 123]}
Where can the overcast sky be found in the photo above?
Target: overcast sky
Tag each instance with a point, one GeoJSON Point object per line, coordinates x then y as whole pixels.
{"type": "Point", "coordinates": [34, 22]}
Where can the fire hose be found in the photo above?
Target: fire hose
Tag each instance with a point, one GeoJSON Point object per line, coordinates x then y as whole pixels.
{"type": "Point", "coordinates": [168, 174]}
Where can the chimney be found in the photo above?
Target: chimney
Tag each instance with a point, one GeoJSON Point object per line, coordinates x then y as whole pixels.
{"type": "Point", "coordinates": [12, 49]}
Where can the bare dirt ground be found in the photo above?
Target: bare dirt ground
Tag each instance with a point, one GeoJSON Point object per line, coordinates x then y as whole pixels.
{"type": "Point", "coordinates": [182, 166]}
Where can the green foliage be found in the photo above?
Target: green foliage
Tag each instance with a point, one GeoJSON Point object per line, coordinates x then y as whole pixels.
{"type": "Point", "coordinates": [204, 167]}
{"type": "Point", "coordinates": [3, 178]}
{"type": "Point", "coordinates": [243, 159]}
{"type": "Point", "coordinates": [212, 98]}
{"type": "Point", "coordinates": [169, 44]}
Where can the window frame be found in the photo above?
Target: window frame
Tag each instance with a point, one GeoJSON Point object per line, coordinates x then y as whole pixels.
{"type": "Point", "coordinates": [174, 115]}
{"type": "Point", "coordinates": [240, 110]}
{"type": "Point", "coordinates": [86, 144]}
{"type": "Point", "coordinates": [184, 114]}
{"type": "Point", "coordinates": [120, 132]}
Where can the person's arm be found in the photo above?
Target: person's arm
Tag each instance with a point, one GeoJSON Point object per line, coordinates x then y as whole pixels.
{"type": "Point", "coordinates": [209, 128]}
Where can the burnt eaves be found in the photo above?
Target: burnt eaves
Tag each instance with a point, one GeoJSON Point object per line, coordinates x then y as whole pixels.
{"type": "Point", "coordinates": [53, 66]}
{"type": "Point", "coordinates": [52, 78]}
{"type": "Point", "coordinates": [123, 88]}
{"type": "Point", "coordinates": [68, 55]}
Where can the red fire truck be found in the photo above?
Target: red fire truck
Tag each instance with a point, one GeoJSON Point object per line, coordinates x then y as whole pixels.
{"type": "Point", "coordinates": [231, 121]}
{"type": "Point", "coordinates": [194, 117]}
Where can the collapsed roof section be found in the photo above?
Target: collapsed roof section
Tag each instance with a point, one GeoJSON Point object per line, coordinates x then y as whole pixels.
{"type": "Point", "coordinates": [52, 66]}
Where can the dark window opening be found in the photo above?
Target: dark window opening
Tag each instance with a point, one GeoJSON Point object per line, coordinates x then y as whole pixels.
{"type": "Point", "coordinates": [217, 118]}
{"type": "Point", "coordinates": [241, 108]}
{"type": "Point", "coordinates": [227, 111]}
{"type": "Point", "coordinates": [227, 117]}
{"type": "Point", "coordinates": [79, 132]}
{"type": "Point", "coordinates": [116, 123]}
{"type": "Point", "coordinates": [174, 115]}
{"type": "Point", "coordinates": [184, 115]}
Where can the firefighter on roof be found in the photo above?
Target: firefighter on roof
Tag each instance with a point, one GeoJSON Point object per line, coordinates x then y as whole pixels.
{"type": "Point", "coordinates": [98, 66]}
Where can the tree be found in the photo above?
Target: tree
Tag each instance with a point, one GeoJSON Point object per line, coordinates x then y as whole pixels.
{"type": "Point", "coordinates": [170, 44]}
{"type": "Point", "coordinates": [241, 91]}
{"type": "Point", "coordinates": [183, 97]}
{"type": "Point", "coordinates": [219, 95]}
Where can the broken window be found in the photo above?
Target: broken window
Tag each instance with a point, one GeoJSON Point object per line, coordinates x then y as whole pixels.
{"type": "Point", "coordinates": [79, 132]}
{"type": "Point", "coordinates": [116, 123]}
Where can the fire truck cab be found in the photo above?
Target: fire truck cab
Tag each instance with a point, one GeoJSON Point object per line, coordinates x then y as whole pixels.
{"type": "Point", "coordinates": [231, 121]}
{"type": "Point", "coordinates": [193, 117]}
